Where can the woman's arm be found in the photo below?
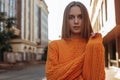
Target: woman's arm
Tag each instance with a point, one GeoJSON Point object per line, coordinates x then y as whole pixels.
{"type": "Point", "coordinates": [94, 59]}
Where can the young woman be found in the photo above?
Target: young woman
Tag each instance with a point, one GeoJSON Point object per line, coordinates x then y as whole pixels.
{"type": "Point", "coordinates": [79, 55]}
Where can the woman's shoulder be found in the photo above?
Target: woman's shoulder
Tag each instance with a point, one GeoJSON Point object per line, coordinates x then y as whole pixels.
{"type": "Point", "coordinates": [96, 35]}
{"type": "Point", "coordinates": [55, 42]}
{"type": "Point", "coordinates": [96, 38]}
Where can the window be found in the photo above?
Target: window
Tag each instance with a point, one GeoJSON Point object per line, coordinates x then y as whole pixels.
{"type": "Point", "coordinates": [106, 9]}
{"type": "Point", "coordinates": [2, 10]}
{"type": "Point", "coordinates": [28, 19]}
{"type": "Point", "coordinates": [12, 8]}
{"type": "Point", "coordinates": [2, 5]}
{"type": "Point", "coordinates": [22, 18]}
{"type": "Point", "coordinates": [36, 21]}
{"type": "Point", "coordinates": [90, 2]}
{"type": "Point", "coordinates": [102, 14]}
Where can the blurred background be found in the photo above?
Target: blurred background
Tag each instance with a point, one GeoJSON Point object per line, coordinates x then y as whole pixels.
{"type": "Point", "coordinates": [27, 26]}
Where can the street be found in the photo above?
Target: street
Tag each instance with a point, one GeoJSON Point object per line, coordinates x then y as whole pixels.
{"type": "Point", "coordinates": [36, 72]}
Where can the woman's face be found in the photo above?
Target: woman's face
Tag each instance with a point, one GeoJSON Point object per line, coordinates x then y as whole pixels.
{"type": "Point", "coordinates": [75, 20]}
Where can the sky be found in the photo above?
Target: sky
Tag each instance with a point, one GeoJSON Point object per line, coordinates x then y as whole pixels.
{"type": "Point", "coordinates": [55, 16]}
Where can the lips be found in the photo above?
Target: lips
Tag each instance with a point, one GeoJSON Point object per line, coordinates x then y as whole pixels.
{"type": "Point", "coordinates": [76, 27]}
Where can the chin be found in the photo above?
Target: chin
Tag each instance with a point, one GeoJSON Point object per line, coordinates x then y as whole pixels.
{"type": "Point", "coordinates": [76, 32]}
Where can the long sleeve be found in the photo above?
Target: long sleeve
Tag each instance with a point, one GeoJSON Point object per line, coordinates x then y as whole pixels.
{"type": "Point", "coordinates": [94, 60]}
{"type": "Point", "coordinates": [65, 71]}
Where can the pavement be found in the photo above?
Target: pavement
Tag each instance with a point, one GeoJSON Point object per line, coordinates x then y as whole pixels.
{"type": "Point", "coordinates": [4, 66]}
{"type": "Point", "coordinates": [112, 73]}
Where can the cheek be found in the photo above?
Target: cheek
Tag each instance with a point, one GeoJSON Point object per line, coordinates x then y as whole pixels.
{"type": "Point", "coordinates": [81, 23]}
{"type": "Point", "coordinates": [70, 24]}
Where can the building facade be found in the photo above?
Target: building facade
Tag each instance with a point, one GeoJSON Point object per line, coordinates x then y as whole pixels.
{"type": "Point", "coordinates": [32, 21]}
{"type": "Point", "coordinates": [105, 18]}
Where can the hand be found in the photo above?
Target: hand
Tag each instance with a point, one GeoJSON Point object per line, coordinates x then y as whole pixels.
{"type": "Point", "coordinates": [95, 38]}
{"type": "Point", "coordinates": [93, 34]}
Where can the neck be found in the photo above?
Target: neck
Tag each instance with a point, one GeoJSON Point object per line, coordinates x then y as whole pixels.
{"type": "Point", "coordinates": [75, 35]}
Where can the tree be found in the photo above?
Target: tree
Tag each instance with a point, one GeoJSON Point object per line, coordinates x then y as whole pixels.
{"type": "Point", "coordinates": [6, 33]}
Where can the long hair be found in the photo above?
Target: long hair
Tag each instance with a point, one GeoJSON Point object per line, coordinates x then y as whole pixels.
{"type": "Point", "coordinates": [86, 28]}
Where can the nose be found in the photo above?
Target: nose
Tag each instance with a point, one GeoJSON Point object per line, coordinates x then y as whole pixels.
{"type": "Point", "coordinates": [76, 20]}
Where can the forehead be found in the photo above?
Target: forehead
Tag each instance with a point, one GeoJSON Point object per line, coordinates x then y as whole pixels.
{"type": "Point", "coordinates": [75, 10]}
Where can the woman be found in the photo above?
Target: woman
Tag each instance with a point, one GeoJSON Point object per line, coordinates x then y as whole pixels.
{"type": "Point", "coordinates": [79, 55]}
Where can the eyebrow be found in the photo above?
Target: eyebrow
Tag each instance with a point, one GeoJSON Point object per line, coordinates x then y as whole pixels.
{"type": "Point", "coordinates": [73, 15]}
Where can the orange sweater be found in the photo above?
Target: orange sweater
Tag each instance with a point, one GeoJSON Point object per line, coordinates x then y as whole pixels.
{"type": "Point", "coordinates": [75, 59]}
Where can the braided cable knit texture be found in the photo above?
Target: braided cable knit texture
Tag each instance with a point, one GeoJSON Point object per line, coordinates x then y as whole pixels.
{"type": "Point", "coordinates": [94, 60]}
{"type": "Point", "coordinates": [75, 59]}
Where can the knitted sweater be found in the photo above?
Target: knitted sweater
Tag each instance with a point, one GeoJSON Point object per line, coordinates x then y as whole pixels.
{"type": "Point", "coordinates": [76, 59]}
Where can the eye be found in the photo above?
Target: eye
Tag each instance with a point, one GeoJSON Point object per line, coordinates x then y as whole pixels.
{"type": "Point", "coordinates": [71, 17]}
{"type": "Point", "coordinates": [80, 16]}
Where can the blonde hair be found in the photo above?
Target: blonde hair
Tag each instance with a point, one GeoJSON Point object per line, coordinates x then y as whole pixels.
{"type": "Point", "coordinates": [86, 28]}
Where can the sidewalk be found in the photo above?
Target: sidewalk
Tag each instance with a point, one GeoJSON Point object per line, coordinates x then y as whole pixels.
{"type": "Point", "coordinates": [17, 66]}
{"type": "Point", "coordinates": [112, 73]}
